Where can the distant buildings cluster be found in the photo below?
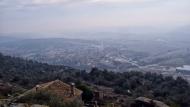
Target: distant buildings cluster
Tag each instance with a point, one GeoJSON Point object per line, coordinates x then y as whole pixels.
{"type": "Point", "coordinates": [184, 70]}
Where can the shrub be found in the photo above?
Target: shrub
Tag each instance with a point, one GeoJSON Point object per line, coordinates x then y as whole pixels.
{"type": "Point", "coordinates": [47, 98]}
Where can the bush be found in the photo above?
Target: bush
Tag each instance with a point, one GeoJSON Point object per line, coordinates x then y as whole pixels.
{"type": "Point", "coordinates": [87, 94]}
{"type": "Point", "coordinates": [47, 98]}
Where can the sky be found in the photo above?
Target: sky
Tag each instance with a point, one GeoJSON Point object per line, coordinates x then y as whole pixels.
{"type": "Point", "coordinates": [59, 16]}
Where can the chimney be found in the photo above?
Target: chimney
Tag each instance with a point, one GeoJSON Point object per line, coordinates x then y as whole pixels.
{"type": "Point", "coordinates": [72, 89]}
{"type": "Point", "coordinates": [37, 87]}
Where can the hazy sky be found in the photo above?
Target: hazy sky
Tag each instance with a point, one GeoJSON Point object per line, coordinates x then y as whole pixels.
{"type": "Point", "coordinates": [59, 16]}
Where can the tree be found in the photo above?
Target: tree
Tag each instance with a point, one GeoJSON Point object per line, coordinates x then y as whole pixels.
{"type": "Point", "coordinates": [87, 94]}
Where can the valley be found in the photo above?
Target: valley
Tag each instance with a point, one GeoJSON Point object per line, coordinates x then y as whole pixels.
{"type": "Point", "coordinates": [156, 55]}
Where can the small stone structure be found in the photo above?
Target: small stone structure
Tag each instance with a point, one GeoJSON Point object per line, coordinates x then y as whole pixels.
{"type": "Point", "coordinates": [61, 89]}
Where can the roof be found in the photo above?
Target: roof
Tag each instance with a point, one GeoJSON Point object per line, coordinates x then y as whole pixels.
{"type": "Point", "coordinates": [147, 100]}
{"type": "Point", "coordinates": [58, 87]}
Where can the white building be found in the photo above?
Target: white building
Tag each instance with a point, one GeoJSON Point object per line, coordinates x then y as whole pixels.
{"type": "Point", "coordinates": [185, 69]}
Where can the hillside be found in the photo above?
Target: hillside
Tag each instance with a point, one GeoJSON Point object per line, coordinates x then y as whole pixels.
{"type": "Point", "coordinates": [117, 55]}
{"type": "Point", "coordinates": [27, 73]}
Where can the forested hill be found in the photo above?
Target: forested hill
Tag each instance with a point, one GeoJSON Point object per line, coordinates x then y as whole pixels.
{"type": "Point", "coordinates": [27, 73]}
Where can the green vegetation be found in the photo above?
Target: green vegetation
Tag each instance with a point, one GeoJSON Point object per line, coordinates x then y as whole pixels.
{"type": "Point", "coordinates": [87, 94]}
{"type": "Point", "coordinates": [47, 98]}
{"type": "Point", "coordinates": [28, 73]}
{"type": "Point", "coordinates": [174, 92]}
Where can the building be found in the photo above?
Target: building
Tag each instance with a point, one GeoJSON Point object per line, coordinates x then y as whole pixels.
{"type": "Point", "coordinates": [184, 70]}
{"type": "Point", "coordinates": [65, 91]}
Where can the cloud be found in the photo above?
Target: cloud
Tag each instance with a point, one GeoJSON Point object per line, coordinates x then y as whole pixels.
{"type": "Point", "coordinates": [35, 4]}
{"type": "Point", "coordinates": [122, 1]}
{"type": "Point", "coordinates": [64, 15]}
{"type": "Point", "coordinates": [62, 2]}
{"type": "Point", "coordinates": [49, 1]}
